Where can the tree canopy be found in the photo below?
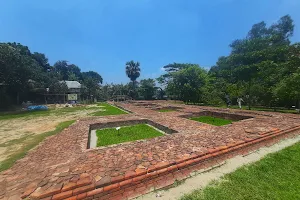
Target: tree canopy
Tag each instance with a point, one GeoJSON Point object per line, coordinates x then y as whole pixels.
{"type": "Point", "coordinates": [24, 75]}
{"type": "Point", "coordinates": [262, 68]}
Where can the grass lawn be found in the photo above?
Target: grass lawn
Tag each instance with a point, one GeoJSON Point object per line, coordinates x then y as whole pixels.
{"type": "Point", "coordinates": [166, 110]}
{"type": "Point", "coordinates": [293, 111]}
{"type": "Point", "coordinates": [274, 177]}
{"type": "Point", "coordinates": [128, 133]}
{"type": "Point", "coordinates": [29, 143]}
{"type": "Point", "coordinates": [212, 120]}
{"type": "Point", "coordinates": [109, 110]}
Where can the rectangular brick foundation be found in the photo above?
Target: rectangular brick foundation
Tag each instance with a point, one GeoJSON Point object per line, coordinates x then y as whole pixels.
{"type": "Point", "coordinates": [167, 175]}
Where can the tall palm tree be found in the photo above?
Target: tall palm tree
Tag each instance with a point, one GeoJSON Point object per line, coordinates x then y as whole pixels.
{"type": "Point", "coordinates": [133, 71]}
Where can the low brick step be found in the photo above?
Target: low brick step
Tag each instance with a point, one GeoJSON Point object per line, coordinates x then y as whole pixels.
{"type": "Point", "coordinates": [133, 184]}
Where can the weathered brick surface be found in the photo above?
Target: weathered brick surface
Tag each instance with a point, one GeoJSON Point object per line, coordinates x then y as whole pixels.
{"type": "Point", "coordinates": [63, 163]}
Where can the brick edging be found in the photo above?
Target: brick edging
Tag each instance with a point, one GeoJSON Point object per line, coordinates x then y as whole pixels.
{"type": "Point", "coordinates": [89, 190]}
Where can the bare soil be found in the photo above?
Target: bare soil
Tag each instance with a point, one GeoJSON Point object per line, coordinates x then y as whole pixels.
{"type": "Point", "coordinates": [14, 133]}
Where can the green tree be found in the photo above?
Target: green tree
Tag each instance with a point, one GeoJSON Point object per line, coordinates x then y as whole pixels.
{"type": "Point", "coordinates": [188, 84]}
{"type": "Point", "coordinates": [42, 60]}
{"type": "Point", "coordinates": [16, 70]}
{"type": "Point", "coordinates": [65, 70]}
{"type": "Point", "coordinates": [61, 67]}
{"type": "Point", "coordinates": [171, 68]}
{"type": "Point", "coordinates": [133, 71]}
{"type": "Point", "coordinates": [91, 84]}
{"type": "Point", "coordinates": [93, 75]}
{"type": "Point", "coordinates": [289, 88]}
{"type": "Point", "coordinates": [256, 61]}
{"type": "Point", "coordinates": [147, 88]}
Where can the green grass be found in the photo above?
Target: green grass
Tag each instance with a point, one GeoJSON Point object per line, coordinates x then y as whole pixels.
{"type": "Point", "coordinates": [29, 143]}
{"type": "Point", "coordinates": [166, 110]}
{"type": "Point", "coordinates": [212, 120]}
{"type": "Point", "coordinates": [274, 177]}
{"type": "Point", "coordinates": [281, 110]}
{"type": "Point", "coordinates": [128, 133]}
{"type": "Point", "coordinates": [109, 110]}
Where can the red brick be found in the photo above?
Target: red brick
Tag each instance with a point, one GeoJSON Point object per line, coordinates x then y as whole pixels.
{"type": "Point", "coordinates": [139, 171]}
{"type": "Point", "coordinates": [129, 174]}
{"type": "Point", "coordinates": [151, 168]}
{"type": "Point", "coordinates": [47, 198]}
{"type": "Point", "coordinates": [110, 187]}
{"type": "Point", "coordinates": [81, 196]}
{"type": "Point", "coordinates": [62, 195]}
{"type": "Point", "coordinates": [181, 165]}
{"type": "Point", "coordinates": [72, 198]}
{"type": "Point", "coordinates": [40, 193]}
{"type": "Point", "coordinates": [126, 182]}
{"type": "Point", "coordinates": [83, 189]}
{"type": "Point", "coordinates": [128, 193]}
{"type": "Point", "coordinates": [141, 190]}
{"type": "Point", "coordinates": [94, 192]}
{"type": "Point", "coordinates": [84, 175]}
{"type": "Point", "coordinates": [84, 181]}
{"type": "Point", "coordinates": [161, 165]}
{"type": "Point", "coordinates": [212, 150]}
{"type": "Point", "coordinates": [189, 162]}
{"type": "Point", "coordinates": [172, 168]}
{"type": "Point", "coordinates": [29, 189]}
{"type": "Point", "coordinates": [117, 197]}
{"type": "Point", "coordinates": [161, 171]}
{"type": "Point", "coordinates": [104, 181]}
{"type": "Point", "coordinates": [131, 194]}
{"type": "Point", "coordinates": [68, 186]}
{"type": "Point", "coordinates": [139, 178]}
{"type": "Point", "coordinates": [181, 160]}
{"type": "Point", "coordinates": [117, 179]}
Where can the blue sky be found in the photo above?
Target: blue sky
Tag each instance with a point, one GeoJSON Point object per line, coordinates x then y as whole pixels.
{"type": "Point", "coordinates": [101, 35]}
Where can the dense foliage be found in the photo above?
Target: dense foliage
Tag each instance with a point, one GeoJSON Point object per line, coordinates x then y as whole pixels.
{"type": "Point", "coordinates": [25, 76]}
{"type": "Point", "coordinates": [262, 68]}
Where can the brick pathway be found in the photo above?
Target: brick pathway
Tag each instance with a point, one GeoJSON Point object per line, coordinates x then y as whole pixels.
{"type": "Point", "coordinates": [62, 166]}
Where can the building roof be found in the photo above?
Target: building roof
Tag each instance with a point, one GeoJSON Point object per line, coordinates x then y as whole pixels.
{"type": "Point", "coordinates": [72, 84]}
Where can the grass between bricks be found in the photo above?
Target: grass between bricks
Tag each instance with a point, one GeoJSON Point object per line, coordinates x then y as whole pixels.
{"type": "Point", "coordinates": [212, 120]}
{"type": "Point", "coordinates": [274, 177]}
{"type": "Point", "coordinates": [31, 142]}
{"type": "Point", "coordinates": [108, 110]}
{"type": "Point", "coordinates": [125, 134]}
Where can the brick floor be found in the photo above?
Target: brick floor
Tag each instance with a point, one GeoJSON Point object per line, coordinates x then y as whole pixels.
{"type": "Point", "coordinates": [62, 166]}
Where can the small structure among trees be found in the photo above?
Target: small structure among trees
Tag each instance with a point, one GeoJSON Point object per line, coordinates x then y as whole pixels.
{"type": "Point", "coordinates": [63, 91]}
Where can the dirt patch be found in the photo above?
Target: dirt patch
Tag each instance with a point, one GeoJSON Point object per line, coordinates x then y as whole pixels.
{"type": "Point", "coordinates": [13, 132]}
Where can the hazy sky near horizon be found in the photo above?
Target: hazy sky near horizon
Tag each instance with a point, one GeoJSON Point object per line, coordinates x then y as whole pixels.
{"type": "Point", "coordinates": [101, 35]}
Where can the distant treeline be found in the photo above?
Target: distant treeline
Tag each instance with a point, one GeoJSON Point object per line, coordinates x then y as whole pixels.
{"type": "Point", "coordinates": [25, 76]}
{"type": "Point", "coordinates": [263, 68]}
